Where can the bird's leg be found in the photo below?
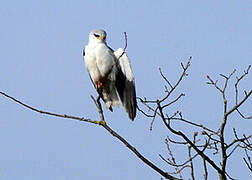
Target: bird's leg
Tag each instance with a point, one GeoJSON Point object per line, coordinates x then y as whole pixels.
{"type": "Point", "coordinates": [99, 89]}
{"type": "Point", "coordinates": [98, 103]}
{"type": "Point", "coordinates": [98, 98]}
{"type": "Point", "coordinates": [102, 121]}
{"type": "Point", "coordinates": [99, 107]}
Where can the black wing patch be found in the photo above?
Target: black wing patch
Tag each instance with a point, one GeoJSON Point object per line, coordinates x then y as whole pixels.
{"type": "Point", "coordinates": [127, 93]}
{"type": "Point", "coordinates": [83, 52]}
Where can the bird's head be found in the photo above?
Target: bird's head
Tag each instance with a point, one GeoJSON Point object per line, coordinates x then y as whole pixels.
{"type": "Point", "coordinates": [98, 35]}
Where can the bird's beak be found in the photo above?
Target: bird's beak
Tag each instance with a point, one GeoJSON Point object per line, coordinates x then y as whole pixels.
{"type": "Point", "coordinates": [101, 37]}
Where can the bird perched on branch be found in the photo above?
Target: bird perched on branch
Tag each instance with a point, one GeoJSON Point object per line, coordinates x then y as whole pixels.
{"type": "Point", "coordinates": [110, 71]}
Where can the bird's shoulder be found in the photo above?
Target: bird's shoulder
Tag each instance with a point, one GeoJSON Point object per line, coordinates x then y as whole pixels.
{"type": "Point", "coordinates": [91, 51]}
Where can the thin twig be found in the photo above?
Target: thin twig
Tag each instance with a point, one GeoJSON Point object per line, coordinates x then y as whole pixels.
{"type": "Point", "coordinates": [205, 169]}
{"type": "Point", "coordinates": [236, 140]}
{"type": "Point", "coordinates": [166, 80]}
{"type": "Point", "coordinates": [175, 100]}
{"type": "Point", "coordinates": [193, 124]}
{"type": "Point", "coordinates": [180, 78]}
{"type": "Point", "coordinates": [154, 116]}
{"type": "Point", "coordinates": [126, 41]}
{"type": "Point", "coordinates": [240, 103]}
{"type": "Point", "coordinates": [173, 158]}
{"type": "Point", "coordinates": [248, 160]}
{"type": "Point", "coordinates": [244, 117]}
{"type": "Point", "coordinates": [144, 113]}
{"type": "Point", "coordinates": [238, 79]}
{"type": "Point", "coordinates": [191, 162]}
{"type": "Point", "coordinates": [126, 44]}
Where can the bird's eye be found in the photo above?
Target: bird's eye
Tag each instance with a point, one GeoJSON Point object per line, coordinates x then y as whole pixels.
{"type": "Point", "coordinates": [97, 35]}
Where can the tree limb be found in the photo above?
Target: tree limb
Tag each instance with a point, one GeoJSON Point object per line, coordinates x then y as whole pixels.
{"type": "Point", "coordinates": [101, 123]}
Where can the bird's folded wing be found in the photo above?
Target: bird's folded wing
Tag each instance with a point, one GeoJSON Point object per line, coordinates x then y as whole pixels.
{"type": "Point", "coordinates": [125, 83]}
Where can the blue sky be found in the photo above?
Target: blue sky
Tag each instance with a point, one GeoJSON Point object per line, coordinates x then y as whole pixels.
{"type": "Point", "coordinates": [41, 64]}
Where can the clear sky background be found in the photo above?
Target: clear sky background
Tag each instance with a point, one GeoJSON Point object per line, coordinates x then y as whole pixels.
{"type": "Point", "coordinates": [41, 64]}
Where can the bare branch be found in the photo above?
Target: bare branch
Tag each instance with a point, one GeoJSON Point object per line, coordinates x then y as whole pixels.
{"type": "Point", "coordinates": [193, 124]}
{"type": "Point", "coordinates": [144, 113]}
{"type": "Point", "coordinates": [173, 158]}
{"type": "Point", "coordinates": [168, 161]}
{"type": "Point", "coordinates": [211, 82]}
{"type": "Point", "coordinates": [237, 139]}
{"type": "Point", "coordinates": [104, 125]}
{"type": "Point", "coordinates": [49, 113]}
{"type": "Point", "coordinates": [154, 115]}
{"type": "Point", "coordinates": [179, 133]}
{"type": "Point", "coordinates": [227, 113]}
{"type": "Point", "coordinates": [213, 142]}
{"type": "Point", "coordinates": [180, 170]}
{"type": "Point", "coordinates": [175, 142]}
{"type": "Point", "coordinates": [166, 80]}
{"type": "Point", "coordinates": [210, 137]}
{"type": "Point", "coordinates": [238, 79]}
{"type": "Point", "coordinates": [244, 117]}
{"type": "Point", "coordinates": [175, 100]}
{"type": "Point", "coordinates": [126, 44]}
{"type": "Point", "coordinates": [191, 162]}
{"type": "Point", "coordinates": [227, 79]}
{"type": "Point", "coordinates": [239, 104]}
{"type": "Point", "coordinates": [126, 41]}
{"type": "Point", "coordinates": [205, 169]}
{"type": "Point", "coordinates": [179, 80]}
{"type": "Point", "coordinates": [232, 150]}
{"type": "Point", "coordinates": [248, 161]}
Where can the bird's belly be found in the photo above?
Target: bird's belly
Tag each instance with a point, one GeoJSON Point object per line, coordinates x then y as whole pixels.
{"type": "Point", "coordinates": [105, 66]}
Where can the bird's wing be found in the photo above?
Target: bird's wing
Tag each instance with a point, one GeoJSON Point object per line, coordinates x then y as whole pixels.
{"type": "Point", "coordinates": [125, 83]}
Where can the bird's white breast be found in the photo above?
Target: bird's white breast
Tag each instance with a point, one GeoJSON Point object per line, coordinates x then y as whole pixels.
{"type": "Point", "coordinates": [99, 60]}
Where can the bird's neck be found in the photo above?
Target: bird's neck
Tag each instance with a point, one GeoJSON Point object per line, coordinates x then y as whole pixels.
{"type": "Point", "coordinates": [95, 43]}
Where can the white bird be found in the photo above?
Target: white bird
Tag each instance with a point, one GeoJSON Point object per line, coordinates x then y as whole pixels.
{"type": "Point", "coordinates": [110, 71]}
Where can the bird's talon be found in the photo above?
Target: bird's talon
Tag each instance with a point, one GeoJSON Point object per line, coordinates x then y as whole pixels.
{"type": "Point", "coordinates": [99, 84]}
